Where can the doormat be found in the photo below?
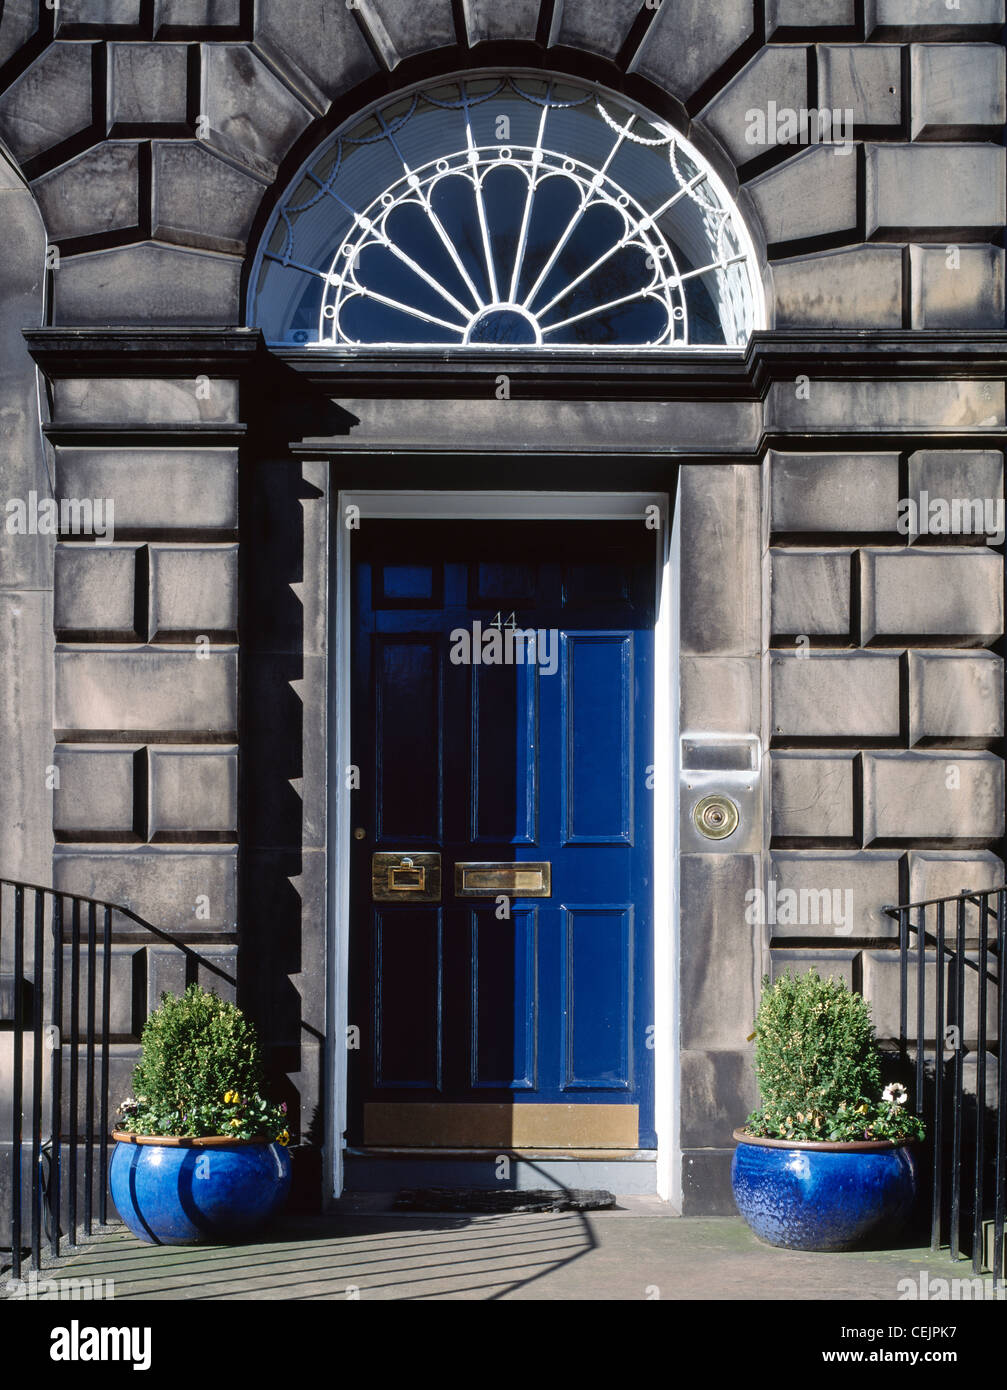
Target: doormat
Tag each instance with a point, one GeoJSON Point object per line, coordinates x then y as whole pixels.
{"type": "Point", "coordinates": [475, 1200]}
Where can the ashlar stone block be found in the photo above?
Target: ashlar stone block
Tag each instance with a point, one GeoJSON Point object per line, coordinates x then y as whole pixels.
{"type": "Point", "coordinates": [95, 592]}
{"type": "Point", "coordinates": [812, 194]}
{"type": "Point", "coordinates": [750, 115]}
{"type": "Point", "coordinates": [856, 493]}
{"type": "Point", "coordinates": [958, 90]}
{"type": "Point", "coordinates": [831, 964]}
{"type": "Point", "coordinates": [933, 19]}
{"type": "Point", "coordinates": [320, 44]}
{"type": "Point", "coordinates": [955, 696]}
{"type": "Point", "coordinates": [95, 795]}
{"type": "Point", "coordinates": [860, 287]}
{"type": "Point", "coordinates": [20, 20]}
{"type": "Point", "coordinates": [935, 188]}
{"type": "Point", "coordinates": [148, 84]}
{"type": "Point", "coordinates": [125, 975]}
{"type": "Point", "coordinates": [109, 14]}
{"type": "Point", "coordinates": [138, 692]}
{"type": "Point", "coordinates": [193, 792]}
{"type": "Point", "coordinates": [810, 593]}
{"type": "Point", "coordinates": [934, 593]}
{"type": "Point", "coordinates": [198, 14]}
{"type": "Point", "coordinates": [197, 400]}
{"type": "Point", "coordinates": [690, 40]}
{"type": "Point", "coordinates": [721, 582]}
{"type": "Point", "coordinates": [720, 694]}
{"type": "Point", "coordinates": [191, 890]}
{"type": "Point", "coordinates": [954, 795]}
{"type": "Point", "coordinates": [251, 114]}
{"type": "Point", "coordinates": [153, 490]}
{"type": "Point", "coordinates": [201, 200]}
{"type": "Point", "coordinates": [835, 695]}
{"type": "Point", "coordinates": [881, 990]}
{"type": "Point", "coordinates": [861, 886]}
{"type": "Point", "coordinates": [862, 81]}
{"type": "Point", "coordinates": [935, 873]}
{"type": "Point", "coordinates": [134, 286]}
{"type": "Point", "coordinates": [401, 29]}
{"type": "Point", "coordinates": [597, 26]}
{"type": "Point", "coordinates": [813, 796]}
{"type": "Point", "coordinates": [718, 960]}
{"type": "Point", "coordinates": [485, 19]}
{"type": "Point", "coordinates": [893, 406]}
{"type": "Point", "coordinates": [810, 14]}
{"type": "Point", "coordinates": [956, 487]}
{"type": "Point", "coordinates": [957, 286]}
{"type": "Point", "coordinates": [95, 192]}
{"type": "Point", "coordinates": [30, 120]}
{"type": "Point", "coordinates": [193, 592]}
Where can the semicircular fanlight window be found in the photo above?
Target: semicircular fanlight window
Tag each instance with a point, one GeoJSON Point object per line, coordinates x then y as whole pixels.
{"type": "Point", "coordinates": [506, 211]}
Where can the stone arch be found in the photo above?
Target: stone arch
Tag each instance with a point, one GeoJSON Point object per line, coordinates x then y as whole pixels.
{"type": "Point", "coordinates": [173, 121]}
{"type": "Point", "coordinates": [632, 176]}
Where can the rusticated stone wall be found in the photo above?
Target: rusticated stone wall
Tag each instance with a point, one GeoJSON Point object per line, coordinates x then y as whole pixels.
{"type": "Point", "coordinates": [187, 690]}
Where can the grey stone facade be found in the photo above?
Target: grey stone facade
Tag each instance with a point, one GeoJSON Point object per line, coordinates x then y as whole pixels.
{"type": "Point", "coordinates": [178, 676]}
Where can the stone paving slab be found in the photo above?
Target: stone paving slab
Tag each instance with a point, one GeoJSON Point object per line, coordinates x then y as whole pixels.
{"type": "Point", "coordinates": [640, 1251]}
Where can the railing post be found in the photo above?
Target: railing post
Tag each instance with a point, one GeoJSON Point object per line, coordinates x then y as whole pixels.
{"type": "Point", "coordinates": [38, 973]}
{"type": "Point", "coordinates": [56, 1074]}
{"type": "Point", "coordinates": [904, 981]}
{"type": "Point", "coordinates": [977, 1209]}
{"type": "Point", "coordinates": [17, 1093]}
{"type": "Point", "coordinates": [74, 1063]}
{"type": "Point", "coordinates": [89, 1070]}
{"type": "Point", "coordinates": [938, 1134]}
{"type": "Point", "coordinates": [921, 999]}
{"type": "Point", "coordinates": [106, 992]}
{"type": "Point", "coordinates": [956, 1156]}
{"type": "Point", "coordinates": [1001, 1167]}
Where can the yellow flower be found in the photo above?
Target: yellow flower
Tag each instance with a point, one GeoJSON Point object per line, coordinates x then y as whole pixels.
{"type": "Point", "coordinates": [861, 1109]}
{"type": "Point", "coordinates": [234, 1124]}
{"type": "Point", "coordinates": [283, 1137]}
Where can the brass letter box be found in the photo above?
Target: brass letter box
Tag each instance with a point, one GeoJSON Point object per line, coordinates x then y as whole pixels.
{"type": "Point", "coordinates": [491, 880]}
{"type": "Point", "coordinates": [406, 877]}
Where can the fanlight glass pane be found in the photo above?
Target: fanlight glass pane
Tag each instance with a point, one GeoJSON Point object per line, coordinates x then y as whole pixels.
{"type": "Point", "coordinates": [507, 210]}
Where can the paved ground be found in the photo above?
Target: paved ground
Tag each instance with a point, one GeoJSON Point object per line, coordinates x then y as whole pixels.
{"type": "Point", "coordinates": [641, 1251]}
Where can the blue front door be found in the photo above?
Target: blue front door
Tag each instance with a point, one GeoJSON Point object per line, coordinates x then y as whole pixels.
{"type": "Point", "coordinates": [503, 713]}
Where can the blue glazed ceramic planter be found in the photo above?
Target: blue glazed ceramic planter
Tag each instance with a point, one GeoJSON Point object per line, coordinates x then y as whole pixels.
{"type": "Point", "coordinates": [822, 1196]}
{"type": "Point", "coordinates": [192, 1191]}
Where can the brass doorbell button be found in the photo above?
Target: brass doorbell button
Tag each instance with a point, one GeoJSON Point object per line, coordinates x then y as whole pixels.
{"type": "Point", "coordinates": [716, 817]}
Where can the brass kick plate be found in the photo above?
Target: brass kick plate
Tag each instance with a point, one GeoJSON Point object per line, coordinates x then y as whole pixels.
{"type": "Point", "coordinates": [407, 876]}
{"type": "Point", "coordinates": [487, 880]}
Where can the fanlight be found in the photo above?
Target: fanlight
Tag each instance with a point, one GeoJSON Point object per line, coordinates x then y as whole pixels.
{"type": "Point", "coordinates": [507, 211]}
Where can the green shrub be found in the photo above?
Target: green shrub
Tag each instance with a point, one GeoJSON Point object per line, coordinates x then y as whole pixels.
{"type": "Point", "coordinates": [200, 1073]}
{"type": "Point", "coordinates": [819, 1068]}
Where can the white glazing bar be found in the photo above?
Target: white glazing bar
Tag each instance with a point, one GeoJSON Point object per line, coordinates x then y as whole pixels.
{"type": "Point", "coordinates": [604, 308]}
{"type": "Point", "coordinates": [536, 165]}
{"type": "Point", "coordinates": [480, 205]}
{"type": "Point", "coordinates": [458, 328]}
{"type": "Point", "coordinates": [575, 220]}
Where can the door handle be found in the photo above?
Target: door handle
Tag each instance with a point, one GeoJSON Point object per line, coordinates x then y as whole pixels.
{"type": "Point", "coordinates": [405, 876]}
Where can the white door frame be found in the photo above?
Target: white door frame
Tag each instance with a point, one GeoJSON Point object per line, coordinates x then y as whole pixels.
{"type": "Point", "coordinates": [426, 505]}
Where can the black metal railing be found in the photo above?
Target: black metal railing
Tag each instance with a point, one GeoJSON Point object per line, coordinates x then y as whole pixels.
{"type": "Point", "coordinates": [56, 1003]}
{"type": "Point", "coordinates": [952, 1022]}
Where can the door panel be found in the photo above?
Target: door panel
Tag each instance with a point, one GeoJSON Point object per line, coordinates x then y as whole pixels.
{"type": "Point", "coordinates": [525, 1022]}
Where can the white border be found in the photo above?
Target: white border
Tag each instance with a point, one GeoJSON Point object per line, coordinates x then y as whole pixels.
{"type": "Point", "coordinates": [423, 505]}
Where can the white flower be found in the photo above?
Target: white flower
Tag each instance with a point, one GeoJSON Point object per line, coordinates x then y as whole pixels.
{"type": "Point", "coordinates": [895, 1094]}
